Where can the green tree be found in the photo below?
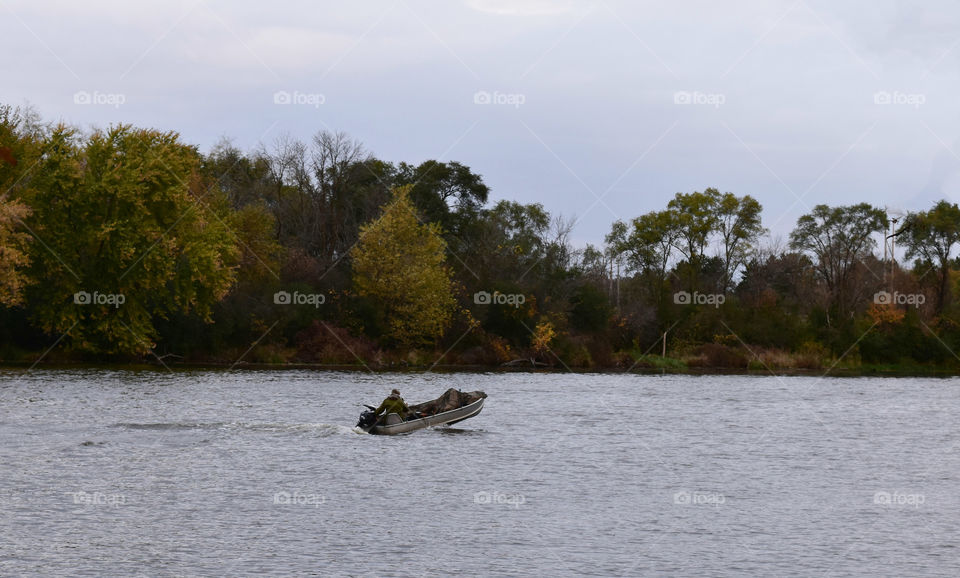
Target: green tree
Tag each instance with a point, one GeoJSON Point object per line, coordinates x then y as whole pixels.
{"type": "Point", "coordinates": [648, 243]}
{"type": "Point", "coordinates": [840, 238]}
{"type": "Point", "coordinates": [445, 193]}
{"type": "Point", "coordinates": [931, 235]}
{"type": "Point", "coordinates": [590, 309]}
{"type": "Point", "coordinates": [124, 216]}
{"type": "Point", "coordinates": [738, 224]}
{"type": "Point", "coordinates": [243, 179]}
{"type": "Point", "coordinates": [696, 219]}
{"type": "Point", "coordinates": [401, 265]}
{"type": "Point", "coordinates": [774, 299]}
{"type": "Point", "coordinates": [511, 243]}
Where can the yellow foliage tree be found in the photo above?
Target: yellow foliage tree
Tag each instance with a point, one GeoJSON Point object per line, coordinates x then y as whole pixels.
{"type": "Point", "coordinates": [542, 336]}
{"type": "Point", "coordinates": [401, 265]}
{"type": "Point", "coordinates": [20, 147]}
{"type": "Point", "coordinates": [13, 256]}
{"type": "Point", "coordinates": [885, 314]}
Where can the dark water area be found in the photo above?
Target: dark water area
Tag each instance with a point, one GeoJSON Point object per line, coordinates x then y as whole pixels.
{"type": "Point", "coordinates": [216, 473]}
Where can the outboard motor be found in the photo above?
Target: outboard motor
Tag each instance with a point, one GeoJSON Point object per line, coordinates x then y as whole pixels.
{"type": "Point", "coordinates": [367, 419]}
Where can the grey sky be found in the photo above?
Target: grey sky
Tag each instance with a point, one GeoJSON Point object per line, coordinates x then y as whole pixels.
{"type": "Point", "coordinates": [599, 110]}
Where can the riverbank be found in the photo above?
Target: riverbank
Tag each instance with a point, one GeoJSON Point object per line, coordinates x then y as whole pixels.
{"type": "Point", "coordinates": [668, 367]}
{"type": "Point", "coordinates": [689, 359]}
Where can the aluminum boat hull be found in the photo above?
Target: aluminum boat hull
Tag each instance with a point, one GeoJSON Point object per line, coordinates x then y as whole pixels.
{"type": "Point", "coordinates": [392, 424]}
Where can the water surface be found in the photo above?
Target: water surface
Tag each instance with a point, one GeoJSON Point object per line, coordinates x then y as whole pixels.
{"type": "Point", "coordinates": [211, 473]}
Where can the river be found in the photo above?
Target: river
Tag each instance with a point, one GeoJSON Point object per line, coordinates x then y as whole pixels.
{"type": "Point", "coordinates": [248, 473]}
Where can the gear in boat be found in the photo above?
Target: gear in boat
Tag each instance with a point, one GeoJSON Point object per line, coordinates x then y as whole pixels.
{"type": "Point", "coordinates": [451, 407]}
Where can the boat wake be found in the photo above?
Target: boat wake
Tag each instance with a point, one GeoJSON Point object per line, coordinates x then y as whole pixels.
{"type": "Point", "coordinates": [454, 431]}
{"type": "Point", "coordinates": [316, 429]}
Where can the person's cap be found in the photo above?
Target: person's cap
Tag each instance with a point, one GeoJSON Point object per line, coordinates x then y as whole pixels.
{"type": "Point", "coordinates": [396, 391]}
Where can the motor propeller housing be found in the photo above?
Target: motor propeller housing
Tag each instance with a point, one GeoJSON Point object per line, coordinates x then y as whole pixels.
{"type": "Point", "coordinates": [367, 420]}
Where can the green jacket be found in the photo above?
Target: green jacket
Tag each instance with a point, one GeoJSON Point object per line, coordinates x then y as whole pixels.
{"type": "Point", "coordinates": [393, 404]}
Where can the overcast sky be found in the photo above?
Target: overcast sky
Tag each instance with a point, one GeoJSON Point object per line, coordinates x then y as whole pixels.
{"type": "Point", "coordinates": [597, 109]}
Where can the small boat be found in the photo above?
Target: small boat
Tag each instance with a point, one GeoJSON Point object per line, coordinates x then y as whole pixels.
{"type": "Point", "coordinates": [451, 407]}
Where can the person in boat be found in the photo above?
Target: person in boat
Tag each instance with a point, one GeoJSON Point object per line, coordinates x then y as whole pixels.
{"type": "Point", "coordinates": [393, 404]}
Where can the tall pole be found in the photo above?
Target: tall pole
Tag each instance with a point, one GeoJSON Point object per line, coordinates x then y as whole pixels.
{"type": "Point", "coordinates": [618, 284]}
{"type": "Point", "coordinates": [611, 275]}
{"type": "Point", "coordinates": [893, 254]}
{"type": "Point", "coordinates": [885, 237]}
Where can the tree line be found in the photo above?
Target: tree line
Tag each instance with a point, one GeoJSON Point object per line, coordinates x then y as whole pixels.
{"type": "Point", "coordinates": [126, 243]}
